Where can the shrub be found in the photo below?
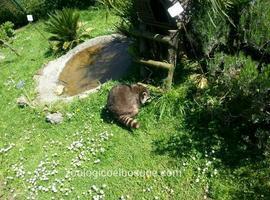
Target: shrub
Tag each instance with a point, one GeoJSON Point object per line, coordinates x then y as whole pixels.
{"type": "Point", "coordinates": [66, 30]}
{"type": "Point", "coordinates": [59, 4]}
{"type": "Point", "coordinates": [35, 7]}
{"type": "Point", "coordinates": [8, 28]}
{"type": "Point", "coordinates": [236, 104]}
{"type": "Point", "coordinates": [227, 27]}
{"type": "Point", "coordinates": [126, 10]}
{"type": "Point", "coordinates": [9, 11]}
{"type": "Point", "coordinates": [7, 31]}
{"type": "Point", "coordinates": [255, 23]}
{"type": "Point", "coordinates": [204, 31]}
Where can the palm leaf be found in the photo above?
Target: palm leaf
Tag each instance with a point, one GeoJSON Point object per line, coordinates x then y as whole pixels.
{"type": "Point", "coordinates": [65, 29]}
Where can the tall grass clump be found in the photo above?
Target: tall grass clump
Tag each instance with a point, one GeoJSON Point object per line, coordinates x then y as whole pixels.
{"type": "Point", "coordinates": [66, 29]}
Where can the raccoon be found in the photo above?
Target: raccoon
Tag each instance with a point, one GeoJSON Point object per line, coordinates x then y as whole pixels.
{"type": "Point", "coordinates": [124, 102]}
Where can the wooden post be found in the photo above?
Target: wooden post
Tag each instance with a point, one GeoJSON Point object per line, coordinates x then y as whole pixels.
{"type": "Point", "coordinates": [172, 57]}
{"type": "Point", "coordinates": [151, 36]}
{"type": "Point", "coordinates": [154, 63]}
{"type": "Point", "coordinates": [142, 49]}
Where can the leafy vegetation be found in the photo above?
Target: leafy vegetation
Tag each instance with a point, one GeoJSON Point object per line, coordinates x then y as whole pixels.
{"type": "Point", "coordinates": [66, 29]}
{"type": "Point", "coordinates": [125, 10]}
{"type": "Point", "coordinates": [255, 22]}
{"type": "Point", "coordinates": [7, 31]}
{"type": "Point", "coordinates": [7, 34]}
{"type": "Point", "coordinates": [10, 12]}
{"type": "Point", "coordinates": [16, 10]}
{"type": "Point", "coordinates": [236, 102]}
{"type": "Point", "coordinates": [234, 79]}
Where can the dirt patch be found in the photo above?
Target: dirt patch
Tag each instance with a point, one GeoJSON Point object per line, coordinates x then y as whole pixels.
{"type": "Point", "coordinates": [82, 70]}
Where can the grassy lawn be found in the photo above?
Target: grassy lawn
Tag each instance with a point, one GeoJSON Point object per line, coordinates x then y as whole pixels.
{"type": "Point", "coordinates": [87, 155]}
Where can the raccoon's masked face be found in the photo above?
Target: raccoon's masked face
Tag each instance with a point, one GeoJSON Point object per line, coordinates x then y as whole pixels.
{"type": "Point", "coordinates": [145, 97]}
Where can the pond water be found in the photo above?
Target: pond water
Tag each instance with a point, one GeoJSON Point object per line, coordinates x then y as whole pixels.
{"type": "Point", "coordinates": [95, 65]}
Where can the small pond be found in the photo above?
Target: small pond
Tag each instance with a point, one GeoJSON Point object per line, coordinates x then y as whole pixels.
{"type": "Point", "coordinates": [84, 68]}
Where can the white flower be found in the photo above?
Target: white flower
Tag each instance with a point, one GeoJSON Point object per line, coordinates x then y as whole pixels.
{"type": "Point", "coordinates": [122, 198]}
{"type": "Point", "coordinates": [208, 163]}
{"type": "Point", "coordinates": [97, 161]}
{"type": "Point", "coordinates": [5, 150]}
{"type": "Point", "coordinates": [94, 188]}
{"type": "Point", "coordinates": [101, 192]}
{"type": "Point", "coordinates": [53, 188]}
{"type": "Point", "coordinates": [102, 150]}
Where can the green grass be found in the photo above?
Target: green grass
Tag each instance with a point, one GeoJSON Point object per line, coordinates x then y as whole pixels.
{"type": "Point", "coordinates": [161, 144]}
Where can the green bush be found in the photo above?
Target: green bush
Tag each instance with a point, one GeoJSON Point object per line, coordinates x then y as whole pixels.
{"type": "Point", "coordinates": [244, 21]}
{"type": "Point", "coordinates": [66, 30]}
{"type": "Point", "coordinates": [58, 4]}
{"type": "Point", "coordinates": [236, 104]}
{"type": "Point", "coordinates": [35, 7]}
{"type": "Point", "coordinates": [255, 22]}
{"type": "Point", "coordinates": [126, 10]}
{"type": "Point", "coordinates": [6, 31]}
{"type": "Point", "coordinates": [204, 31]}
{"type": "Point", "coordinates": [8, 28]}
{"type": "Point", "coordinates": [9, 11]}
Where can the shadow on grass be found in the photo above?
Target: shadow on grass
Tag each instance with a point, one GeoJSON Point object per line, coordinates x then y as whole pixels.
{"type": "Point", "coordinates": [108, 117]}
{"type": "Point", "coordinates": [202, 132]}
{"type": "Point", "coordinates": [49, 53]}
{"type": "Point", "coordinates": [202, 136]}
{"type": "Point", "coordinates": [5, 63]}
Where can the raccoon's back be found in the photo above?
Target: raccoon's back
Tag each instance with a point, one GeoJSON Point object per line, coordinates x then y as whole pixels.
{"type": "Point", "coordinates": [121, 99]}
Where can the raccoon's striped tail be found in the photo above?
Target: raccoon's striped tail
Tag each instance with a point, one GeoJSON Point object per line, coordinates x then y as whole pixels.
{"type": "Point", "coordinates": [128, 121]}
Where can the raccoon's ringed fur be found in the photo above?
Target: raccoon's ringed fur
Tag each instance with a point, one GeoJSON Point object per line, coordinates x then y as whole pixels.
{"type": "Point", "coordinates": [124, 102]}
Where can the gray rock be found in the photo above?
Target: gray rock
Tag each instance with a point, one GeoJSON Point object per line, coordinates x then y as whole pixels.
{"type": "Point", "coordinates": [59, 90]}
{"type": "Point", "coordinates": [20, 84]}
{"type": "Point", "coordinates": [54, 118]}
{"type": "Point", "coordinates": [22, 102]}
